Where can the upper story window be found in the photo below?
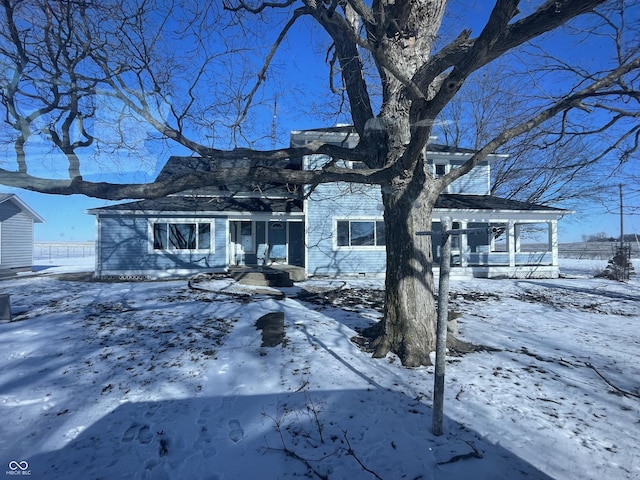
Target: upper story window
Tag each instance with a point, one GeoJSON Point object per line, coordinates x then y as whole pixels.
{"type": "Point", "coordinates": [182, 235]}
{"type": "Point", "coordinates": [360, 233]}
{"type": "Point", "coordinates": [440, 170]}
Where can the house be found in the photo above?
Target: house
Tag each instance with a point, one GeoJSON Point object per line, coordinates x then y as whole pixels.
{"type": "Point", "coordinates": [16, 234]}
{"type": "Point", "coordinates": [334, 229]}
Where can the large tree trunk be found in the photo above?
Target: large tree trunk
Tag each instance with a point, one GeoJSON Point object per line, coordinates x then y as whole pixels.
{"type": "Point", "coordinates": [408, 328]}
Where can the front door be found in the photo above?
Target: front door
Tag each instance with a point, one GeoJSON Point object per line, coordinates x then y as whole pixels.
{"type": "Point", "coordinates": [277, 235]}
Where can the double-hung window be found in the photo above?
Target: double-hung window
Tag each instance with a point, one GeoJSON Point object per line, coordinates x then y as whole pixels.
{"type": "Point", "coordinates": [181, 235]}
{"type": "Point", "coordinates": [360, 233]}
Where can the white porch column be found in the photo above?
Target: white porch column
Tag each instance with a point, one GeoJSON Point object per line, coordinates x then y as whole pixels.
{"type": "Point", "coordinates": [553, 241]}
{"type": "Point", "coordinates": [464, 246]}
{"type": "Point", "coordinates": [511, 243]}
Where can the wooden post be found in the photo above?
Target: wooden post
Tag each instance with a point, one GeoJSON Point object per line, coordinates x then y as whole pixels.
{"type": "Point", "coordinates": [441, 327]}
{"type": "Point", "coordinates": [5, 308]}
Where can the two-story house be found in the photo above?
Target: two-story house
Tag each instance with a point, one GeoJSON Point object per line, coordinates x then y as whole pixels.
{"type": "Point", "coordinates": [335, 229]}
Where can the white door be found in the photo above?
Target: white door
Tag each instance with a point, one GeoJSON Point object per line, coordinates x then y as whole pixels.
{"type": "Point", "coordinates": [241, 241]}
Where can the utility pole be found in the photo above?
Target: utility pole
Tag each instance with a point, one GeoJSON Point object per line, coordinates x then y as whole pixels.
{"type": "Point", "coordinates": [621, 220]}
{"type": "Point", "coordinates": [443, 312]}
{"type": "Point", "coordinates": [274, 125]}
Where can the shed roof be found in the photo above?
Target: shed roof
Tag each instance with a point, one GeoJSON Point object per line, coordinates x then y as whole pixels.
{"type": "Point", "coordinates": [12, 197]}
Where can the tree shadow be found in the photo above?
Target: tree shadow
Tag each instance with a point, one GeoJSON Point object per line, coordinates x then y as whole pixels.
{"type": "Point", "coordinates": [253, 436]}
{"type": "Point", "coordinates": [219, 434]}
{"type": "Point", "coordinates": [599, 292]}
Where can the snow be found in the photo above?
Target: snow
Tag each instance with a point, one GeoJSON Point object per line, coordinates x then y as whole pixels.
{"type": "Point", "coordinates": [155, 380]}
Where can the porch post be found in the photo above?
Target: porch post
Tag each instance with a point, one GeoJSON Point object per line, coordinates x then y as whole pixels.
{"type": "Point", "coordinates": [517, 230]}
{"type": "Point", "coordinates": [553, 241]}
{"type": "Point", "coordinates": [464, 256]}
{"type": "Point", "coordinates": [511, 243]}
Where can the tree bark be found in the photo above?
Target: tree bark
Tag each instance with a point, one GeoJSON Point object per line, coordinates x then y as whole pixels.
{"type": "Point", "coordinates": [408, 327]}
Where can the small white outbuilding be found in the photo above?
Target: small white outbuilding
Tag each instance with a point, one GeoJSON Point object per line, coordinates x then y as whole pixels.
{"type": "Point", "coordinates": [16, 234]}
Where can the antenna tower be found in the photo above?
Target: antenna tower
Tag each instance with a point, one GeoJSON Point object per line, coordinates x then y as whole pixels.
{"type": "Point", "coordinates": [274, 126]}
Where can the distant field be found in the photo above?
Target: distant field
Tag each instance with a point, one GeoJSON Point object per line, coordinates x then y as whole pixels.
{"type": "Point", "coordinates": [593, 250]}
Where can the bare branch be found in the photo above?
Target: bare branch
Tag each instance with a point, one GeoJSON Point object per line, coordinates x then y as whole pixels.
{"type": "Point", "coordinates": [263, 71]}
{"type": "Point", "coordinates": [562, 105]}
{"type": "Point", "coordinates": [242, 5]}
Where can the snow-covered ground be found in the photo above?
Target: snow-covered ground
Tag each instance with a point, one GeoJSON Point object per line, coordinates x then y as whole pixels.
{"type": "Point", "coordinates": [159, 381]}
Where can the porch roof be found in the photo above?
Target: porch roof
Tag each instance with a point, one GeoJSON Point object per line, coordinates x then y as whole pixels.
{"type": "Point", "coordinates": [187, 204]}
{"type": "Point", "coordinates": [191, 204]}
{"type": "Point", "coordinates": [490, 203]}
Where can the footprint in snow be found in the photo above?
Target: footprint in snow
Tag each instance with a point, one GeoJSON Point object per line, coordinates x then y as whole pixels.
{"type": "Point", "coordinates": [130, 433]}
{"type": "Point", "coordinates": [204, 443]}
{"type": "Point", "coordinates": [235, 431]}
{"type": "Point", "coordinates": [142, 433]}
{"type": "Point", "coordinates": [145, 435]}
{"type": "Point", "coordinates": [205, 414]}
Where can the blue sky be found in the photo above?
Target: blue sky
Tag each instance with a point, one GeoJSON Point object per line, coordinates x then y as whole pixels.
{"type": "Point", "coordinates": [65, 217]}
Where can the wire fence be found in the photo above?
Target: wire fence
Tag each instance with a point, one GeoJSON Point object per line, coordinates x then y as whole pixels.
{"type": "Point", "coordinates": [595, 250]}
{"type": "Point", "coordinates": [52, 250]}
{"type": "Point", "coordinates": [585, 250]}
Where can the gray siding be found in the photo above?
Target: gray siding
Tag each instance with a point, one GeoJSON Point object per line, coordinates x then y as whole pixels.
{"type": "Point", "coordinates": [16, 237]}
{"type": "Point", "coordinates": [124, 247]}
{"type": "Point", "coordinates": [328, 203]}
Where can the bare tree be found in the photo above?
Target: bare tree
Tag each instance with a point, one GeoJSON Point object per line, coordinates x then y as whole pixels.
{"type": "Point", "coordinates": [389, 70]}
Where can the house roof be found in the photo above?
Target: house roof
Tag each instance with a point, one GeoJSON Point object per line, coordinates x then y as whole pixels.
{"type": "Point", "coordinates": [12, 197]}
{"type": "Point", "coordinates": [452, 201]}
{"type": "Point", "coordinates": [438, 148]}
{"type": "Point", "coordinates": [202, 204]}
{"type": "Point", "coordinates": [184, 204]}
{"type": "Point", "coordinates": [183, 165]}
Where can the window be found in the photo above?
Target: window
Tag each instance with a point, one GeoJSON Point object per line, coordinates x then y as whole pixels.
{"type": "Point", "coordinates": [360, 233]}
{"type": "Point", "coordinates": [441, 170]}
{"type": "Point", "coordinates": [181, 236]}
{"type": "Point", "coordinates": [357, 165]}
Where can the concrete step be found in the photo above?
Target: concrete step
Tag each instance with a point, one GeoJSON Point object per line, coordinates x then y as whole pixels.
{"type": "Point", "coordinates": [261, 277]}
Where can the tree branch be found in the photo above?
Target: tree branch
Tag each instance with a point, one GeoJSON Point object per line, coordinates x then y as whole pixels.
{"type": "Point", "coordinates": [567, 103]}
{"type": "Point", "coordinates": [346, 44]}
{"type": "Point", "coordinates": [263, 71]}
{"type": "Point", "coordinates": [241, 5]}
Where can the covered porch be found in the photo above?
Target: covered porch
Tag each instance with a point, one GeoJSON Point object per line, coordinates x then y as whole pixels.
{"type": "Point", "coordinates": [265, 240]}
{"type": "Point", "coordinates": [520, 248]}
